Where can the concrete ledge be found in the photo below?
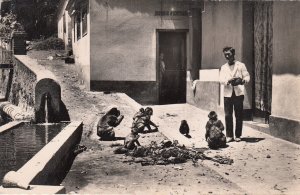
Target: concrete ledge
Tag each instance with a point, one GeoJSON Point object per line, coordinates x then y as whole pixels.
{"type": "Point", "coordinates": [10, 125]}
{"type": "Point", "coordinates": [130, 101]}
{"type": "Point", "coordinates": [35, 189]}
{"type": "Point", "coordinates": [144, 92]}
{"type": "Point", "coordinates": [32, 64]}
{"type": "Point", "coordinates": [258, 126]}
{"type": "Point", "coordinates": [51, 164]}
{"type": "Point", "coordinates": [206, 94]}
{"type": "Point", "coordinates": [284, 128]}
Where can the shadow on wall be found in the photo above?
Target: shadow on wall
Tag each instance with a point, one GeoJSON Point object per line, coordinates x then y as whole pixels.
{"type": "Point", "coordinates": [143, 6]}
{"type": "Point", "coordinates": [288, 68]}
{"type": "Point", "coordinates": [48, 104]}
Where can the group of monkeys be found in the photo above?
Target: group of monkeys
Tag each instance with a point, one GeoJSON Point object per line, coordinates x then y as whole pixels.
{"type": "Point", "coordinates": [142, 121]}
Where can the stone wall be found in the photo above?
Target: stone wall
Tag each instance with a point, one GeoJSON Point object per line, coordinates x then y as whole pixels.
{"type": "Point", "coordinates": [22, 87]}
{"type": "Point", "coordinates": [32, 87]}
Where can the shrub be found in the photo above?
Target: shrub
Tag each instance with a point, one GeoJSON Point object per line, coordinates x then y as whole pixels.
{"type": "Point", "coordinates": [50, 43]}
{"type": "Point", "coordinates": [8, 24]}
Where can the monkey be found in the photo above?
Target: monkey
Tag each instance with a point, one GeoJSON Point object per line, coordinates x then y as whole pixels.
{"type": "Point", "coordinates": [106, 124]}
{"type": "Point", "coordinates": [184, 128]}
{"type": "Point", "coordinates": [131, 141]}
{"type": "Point", "coordinates": [236, 81]}
{"type": "Point", "coordinates": [214, 135]}
{"type": "Point", "coordinates": [139, 114]}
{"type": "Point", "coordinates": [148, 122]}
{"type": "Point", "coordinates": [144, 121]}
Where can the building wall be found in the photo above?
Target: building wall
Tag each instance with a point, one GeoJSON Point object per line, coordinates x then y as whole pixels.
{"type": "Point", "coordinates": [286, 60]}
{"type": "Point", "coordinates": [60, 12]}
{"type": "Point", "coordinates": [81, 51]}
{"type": "Point", "coordinates": [285, 116]}
{"type": "Point", "coordinates": [228, 24]}
{"type": "Point", "coordinates": [123, 43]}
{"type": "Point", "coordinates": [60, 33]}
{"type": "Point", "coordinates": [64, 35]}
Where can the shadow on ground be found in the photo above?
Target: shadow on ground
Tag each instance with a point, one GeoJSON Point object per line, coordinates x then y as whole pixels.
{"type": "Point", "coordinates": [252, 139]}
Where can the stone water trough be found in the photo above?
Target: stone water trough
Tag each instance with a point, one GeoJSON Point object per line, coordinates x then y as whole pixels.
{"type": "Point", "coordinates": [34, 101]}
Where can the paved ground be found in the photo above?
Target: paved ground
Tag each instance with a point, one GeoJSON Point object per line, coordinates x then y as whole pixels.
{"type": "Point", "coordinates": [262, 164]}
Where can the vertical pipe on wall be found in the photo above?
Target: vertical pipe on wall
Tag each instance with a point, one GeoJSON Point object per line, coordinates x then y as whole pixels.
{"type": "Point", "coordinates": [195, 38]}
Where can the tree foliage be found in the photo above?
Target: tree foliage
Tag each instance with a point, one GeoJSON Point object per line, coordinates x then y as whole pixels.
{"type": "Point", "coordinates": [37, 17]}
{"type": "Point", "coordinates": [8, 24]}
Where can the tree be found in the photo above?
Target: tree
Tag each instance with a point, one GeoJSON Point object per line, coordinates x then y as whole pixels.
{"type": "Point", "coordinates": [8, 24]}
{"type": "Point", "coordinates": [36, 16]}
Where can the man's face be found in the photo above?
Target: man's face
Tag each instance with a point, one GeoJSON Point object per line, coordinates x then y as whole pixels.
{"type": "Point", "coordinates": [229, 56]}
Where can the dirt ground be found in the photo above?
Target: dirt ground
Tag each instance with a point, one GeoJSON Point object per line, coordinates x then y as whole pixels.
{"type": "Point", "coordinates": [98, 170]}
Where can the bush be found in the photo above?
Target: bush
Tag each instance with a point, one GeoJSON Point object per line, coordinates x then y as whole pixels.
{"type": "Point", "coordinates": [50, 43]}
{"type": "Point", "coordinates": [8, 24]}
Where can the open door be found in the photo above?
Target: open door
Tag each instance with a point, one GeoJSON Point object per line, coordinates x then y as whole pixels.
{"type": "Point", "coordinates": [172, 56]}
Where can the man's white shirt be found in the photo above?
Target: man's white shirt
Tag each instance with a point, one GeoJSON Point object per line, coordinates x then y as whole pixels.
{"type": "Point", "coordinates": [238, 69]}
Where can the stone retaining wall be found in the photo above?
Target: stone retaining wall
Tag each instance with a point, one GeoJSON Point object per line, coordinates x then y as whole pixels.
{"type": "Point", "coordinates": [31, 85]}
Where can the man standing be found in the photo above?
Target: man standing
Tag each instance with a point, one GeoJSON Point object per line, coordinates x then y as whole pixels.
{"type": "Point", "coordinates": [233, 76]}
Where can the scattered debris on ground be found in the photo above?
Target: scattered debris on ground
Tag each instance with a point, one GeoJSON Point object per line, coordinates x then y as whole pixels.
{"type": "Point", "coordinates": [171, 115]}
{"type": "Point", "coordinates": [79, 148]}
{"type": "Point", "coordinates": [168, 152]}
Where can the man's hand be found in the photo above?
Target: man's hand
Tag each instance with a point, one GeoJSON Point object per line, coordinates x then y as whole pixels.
{"type": "Point", "coordinates": [236, 81]}
{"type": "Point", "coordinates": [231, 81]}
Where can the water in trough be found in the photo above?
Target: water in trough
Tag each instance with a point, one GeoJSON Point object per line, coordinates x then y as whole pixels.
{"type": "Point", "coordinates": [20, 144]}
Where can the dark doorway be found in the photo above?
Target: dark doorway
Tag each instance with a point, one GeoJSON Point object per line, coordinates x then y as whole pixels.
{"type": "Point", "coordinates": [172, 67]}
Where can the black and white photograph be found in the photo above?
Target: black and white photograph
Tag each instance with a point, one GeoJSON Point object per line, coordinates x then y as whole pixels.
{"type": "Point", "coordinates": [150, 97]}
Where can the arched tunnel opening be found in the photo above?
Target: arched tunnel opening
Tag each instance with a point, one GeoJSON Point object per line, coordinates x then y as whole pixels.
{"type": "Point", "coordinates": [49, 108]}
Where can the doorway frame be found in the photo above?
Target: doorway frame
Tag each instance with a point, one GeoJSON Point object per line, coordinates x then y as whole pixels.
{"type": "Point", "coordinates": [186, 31]}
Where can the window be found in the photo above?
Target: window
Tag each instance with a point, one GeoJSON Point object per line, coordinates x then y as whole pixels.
{"type": "Point", "coordinates": [84, 20]}
{"type": "Point", "coordinates": [80, 21]}
{"type": "Point", "coordinates": [78, 29]}
{"type": "Point", "coordinates": [74, 28]}
{"type": "Point", "coordinates": [64, 24]}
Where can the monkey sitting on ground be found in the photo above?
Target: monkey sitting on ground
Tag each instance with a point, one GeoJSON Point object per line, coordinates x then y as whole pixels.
{"type": "Point", "coordinates": [105, 126]}
{"type": "Point", "coordinates": [139, 114]}
{"type": "Point", "coordinates": [214, 135]}
{"type": "Point", "coordinates": [144, 121]}
{"type": "Point", "coordinates": [184, 128]}
{"type": "Point", "coordinates": [131, 141]}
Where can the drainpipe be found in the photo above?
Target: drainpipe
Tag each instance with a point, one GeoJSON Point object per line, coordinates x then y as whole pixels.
{"type": "Point", "coordinates": [195, 40]}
